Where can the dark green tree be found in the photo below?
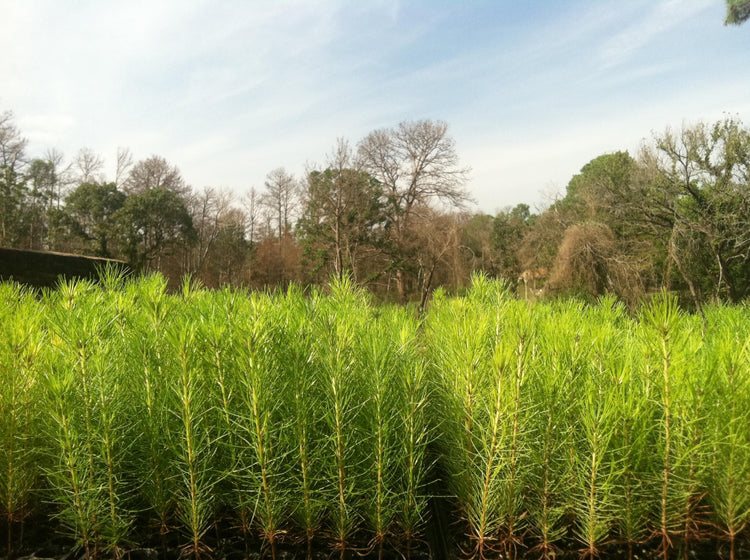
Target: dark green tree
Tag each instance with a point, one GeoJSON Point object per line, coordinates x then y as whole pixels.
{"type": "Point", "coordinates": [41, 180]}
{"type": "Point", "coordinates": [89, 215]}
{"type": "Point", "coordinates": [152, 224]}
{"type": "Point", "coordinates": [738, 11]}
{"type": "Point", "coordinates": [476, 245]}
{"type": "Point", "coordinates": [594, 240]}
{"type": "Point", "coordinates": [707, 170]}
{"type": "Point", "coordinates": [594, 192]}
{"type": "Point", "coordinates": [694, 194]}
{"type": "Point", "coordinates": [342, 219]}
{"type": "Point", "coordinates": [683, 213]}
{"type": "Point", "coordinates": [508, 230]}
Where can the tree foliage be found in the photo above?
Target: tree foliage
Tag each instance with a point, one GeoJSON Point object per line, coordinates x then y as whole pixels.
{"type": "Point", "coordinates": [12, 183]}
{"type": "Point", "coordinates": [342, 219]}
{"type": "Point", "coordinates": [155, 172]}
{"type": "Point", "coordinates": [508, 231]}
{"type": "Point", "coordinates": [738, 12]}
{"type": "Point", "coordinates": [280, 200]}
{"type": "Point", "coordinates": [416, 163]}
{"type": "Point", "coordinates": [153, 224]}
{"type": "Point", "coordinates": [392, 214]}
{"type": "Point", "coordinates": [708, 166]}
{"type": "Point", "coordinates": [89, 212]}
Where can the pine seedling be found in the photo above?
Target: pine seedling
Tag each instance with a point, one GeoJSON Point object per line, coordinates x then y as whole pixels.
{"type": "Point", "coordinates": [219, 329]}
{"type": "Point", "coordinates": [730, 483]}
{"type": "Point", "coordinates": [634, 445]}
{"type": "Point", "coordinates": [522, 336]}
{"type": "Point", "coordinates": [21, 349]}
{"type": "Point", "coordinates": [80, 323]}
{"type": "Point", "coordinates": [67, 470]}
{"type": "Point", "coordinates": [116, 430]}
{"type": "Point", "coordinates": [694, 393]}
{"type": "Point", "coordinates": [114, 438]}
{"type": "Point", "coordinates": [494, 496]}
{"type": "Point", "coordinates": [665, 334]}
{"type": "Point", "coordinates": [377, 360]}
{"type": "Point", "coordinates": [415, 432]}
{"type": "Point", "coordinates": [261, 470]}
{"type": "Point", "coordinates": [304, 408]}
{"type": "Point", "coordinates": [458, 342]}
{"type": "Point", "coordinates": [336, 326]}
{"type": "Point", "coordinates": [151, 365]}
{"type": "Point", "coordinates": [597, 470]}
{"type": "Point", "coordinates": [472, 406]}
{"type": "Point", "coordinates": [576, 358]}
{"type": "Point", "coordinates": [192, 448]}
{"type": "Point", "coordinates": [600, 466]}
{"type": "Point", "coordinates": [550, 398]}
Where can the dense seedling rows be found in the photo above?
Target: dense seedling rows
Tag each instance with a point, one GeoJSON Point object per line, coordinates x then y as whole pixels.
{"type": "Point", "coordinates": [127, 413]}
{"type": "Point", "coordinates": [572, 426]}
{"type": "Point", "coordinates": [129, 416]}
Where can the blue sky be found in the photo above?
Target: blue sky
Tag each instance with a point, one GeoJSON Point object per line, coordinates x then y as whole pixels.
{"type": "Point", "coordinates": [229, 90]}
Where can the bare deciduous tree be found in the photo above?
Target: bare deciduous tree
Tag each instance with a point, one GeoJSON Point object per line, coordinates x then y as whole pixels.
{"type": "Point", "coordinates": [208, 208]}
{"type": "Point", "coordinates": [436, 236]}
{"type": "Point", "coordinates": [12, 143]}
{"type": "Point", "coordinates": [229, 255]}
{"type": "Point", "coordinates": [123, 164]}
{"type": "Point", "coordinates": [281, 199]}
{"type": "Point", "coordinates": [88, 166]}
{"type": "Point", "coordinates": [155, 173]}
{"type": "Point", "coordinates": [251, 204]}
{"type": "Point", "coordinates": [63, 174]}
{"type": "Point", "coordinates": [417, 165]}
{"type": "Point", "coordinates": [12, 190]}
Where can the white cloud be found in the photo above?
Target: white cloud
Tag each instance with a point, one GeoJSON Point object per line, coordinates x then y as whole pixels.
{"type": "Point", "coordinates": [656, 19]}
{"type": "Point", "coordinates": [45, 128]}
{"type": "Point", "coordinates": [229, 90]}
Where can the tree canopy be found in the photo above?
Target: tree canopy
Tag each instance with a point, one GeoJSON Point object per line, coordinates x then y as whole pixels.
{"type": "Point", "coordinates": [738, 12]}
{"type": "Point", "coordinates": [392, 213]}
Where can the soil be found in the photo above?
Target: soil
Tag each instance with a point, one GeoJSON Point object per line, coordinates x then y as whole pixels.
{"type": "Point", "coordinates": [38, 541]}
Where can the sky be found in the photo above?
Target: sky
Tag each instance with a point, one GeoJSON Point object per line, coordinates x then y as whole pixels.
{"type": "Point", "coordinates": [229, 90]}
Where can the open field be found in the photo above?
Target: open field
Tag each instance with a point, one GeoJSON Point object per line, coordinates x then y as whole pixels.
{"type": "Point", "coordinates": [133, 418]}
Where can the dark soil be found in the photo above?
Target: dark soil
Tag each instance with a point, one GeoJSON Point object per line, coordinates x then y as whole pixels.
{"type": "Point", "coordinates": [35, 540]}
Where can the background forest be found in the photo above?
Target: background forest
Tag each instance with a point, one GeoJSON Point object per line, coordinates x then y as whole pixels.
{"type": "Point", "coordinates": [393, 212]}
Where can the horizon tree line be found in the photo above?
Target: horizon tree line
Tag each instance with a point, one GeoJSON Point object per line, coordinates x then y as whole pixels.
{"type": "Point", "coordinates": [392, 212]}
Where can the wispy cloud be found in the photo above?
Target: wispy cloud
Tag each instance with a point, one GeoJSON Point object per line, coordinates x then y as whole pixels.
{"type": "Point", "coordinates": [229, 90]}
{"type": "Point", "coordinates": [651, 20]}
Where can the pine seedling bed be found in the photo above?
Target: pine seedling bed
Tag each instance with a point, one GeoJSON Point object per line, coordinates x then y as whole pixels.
{"type": "Point", "coordinates": [227, 424]}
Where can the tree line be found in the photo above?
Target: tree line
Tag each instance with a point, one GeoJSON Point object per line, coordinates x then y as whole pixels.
{"type": "Point", "coordinates": [392, 212]}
